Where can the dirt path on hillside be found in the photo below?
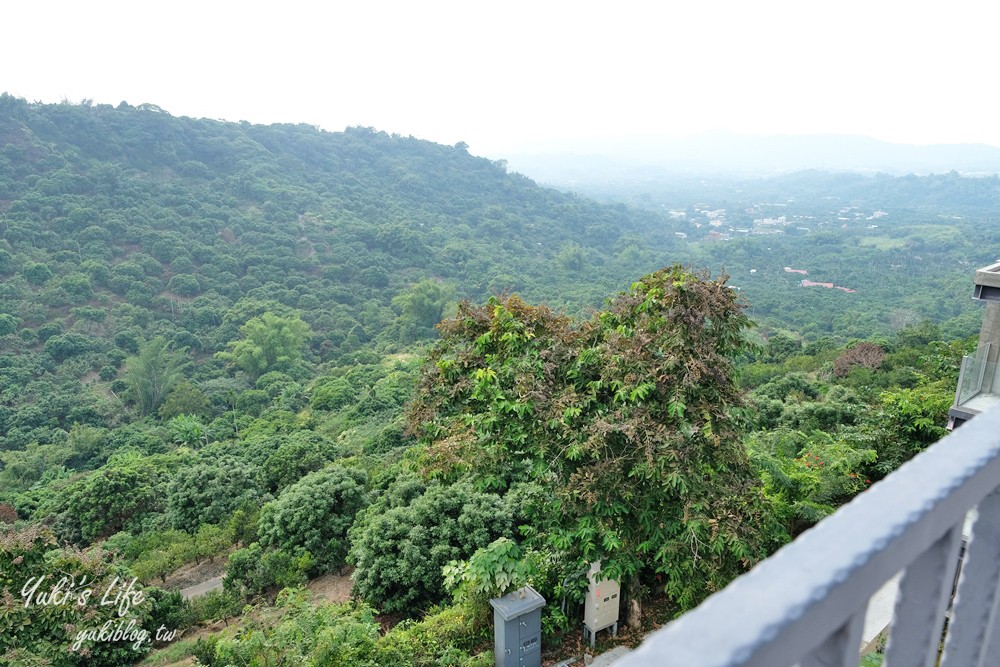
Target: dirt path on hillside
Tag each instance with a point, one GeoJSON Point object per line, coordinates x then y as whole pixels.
{"type": "Point", "coordinates": [212, 584]}
{"type": "Point", "coordinates": [327, 588]}
{"type": "Point", "coordinates": [193, 574]}
{"type": "Point", "coordinates": [331, 587]}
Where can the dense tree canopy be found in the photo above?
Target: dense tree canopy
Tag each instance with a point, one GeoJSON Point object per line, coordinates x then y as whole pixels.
{"type": "Point", "coordinates": [400, 549]}
{"type": "Point", "coordinates": [630, 419]}
{"type": "Point", "coordinates": [152, 373]}
{"type": "Point", "coordinates": [313, 516]}
{"type": "Point", "coordinates": [267, 343]}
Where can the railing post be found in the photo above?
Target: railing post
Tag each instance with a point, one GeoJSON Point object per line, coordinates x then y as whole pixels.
{"type": "Point", "coordinates": [843, 647]}
{"type": "Point", "coordinates": [973, 615]}
{"type": "Point", "coordinates": [924, 592]}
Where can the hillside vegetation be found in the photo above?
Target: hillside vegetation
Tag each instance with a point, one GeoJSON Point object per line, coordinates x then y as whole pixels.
{"type": "Point", "coordinates": [123, 225]}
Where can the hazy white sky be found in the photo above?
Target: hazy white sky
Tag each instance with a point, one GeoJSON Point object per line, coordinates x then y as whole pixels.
{"type": "Point", "coordinates": [506, 76]}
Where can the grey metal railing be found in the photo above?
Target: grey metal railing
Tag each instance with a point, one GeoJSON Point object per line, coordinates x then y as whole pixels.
{"type": "Point", "coordinates": [806, 604]}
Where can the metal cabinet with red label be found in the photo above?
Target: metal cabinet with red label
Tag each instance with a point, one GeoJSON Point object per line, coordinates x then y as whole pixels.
{"type": "Point", "coordinates": [602, 604]}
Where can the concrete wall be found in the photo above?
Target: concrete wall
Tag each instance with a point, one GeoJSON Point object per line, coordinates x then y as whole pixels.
{"type": "Point", "coordinates": [990, 333]}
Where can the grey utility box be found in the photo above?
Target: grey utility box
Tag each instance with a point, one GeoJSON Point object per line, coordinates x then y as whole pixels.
{"type": "Point", "coordinates": [602, 604]}
{"type": "Point", "coordinates": [517, 628]}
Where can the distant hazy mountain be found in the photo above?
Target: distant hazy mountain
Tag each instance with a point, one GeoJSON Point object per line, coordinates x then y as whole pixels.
{"type": "Point", "coordinates": [641, 158]}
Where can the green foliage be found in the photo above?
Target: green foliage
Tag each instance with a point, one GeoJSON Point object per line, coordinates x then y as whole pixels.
{"type": "Point", "coordinates": [872, 660]}
{"type": "Point", "coordinates": [491, 572]}
{"type": "Point", "coordinates": [157, 565]}
{"type": "Point", "coordinates": [254, 571]}
{"type": "Point", "coordinates": [33, 633]}
{"type": "Point", "coordinates": [204, 650]}
{"type": "Point", "coordinates": [399, 551]}
{"type": "Point", "coordinates": [627, 420]}
{"type": "Point", "coordinates": [110, 238]}
{"type": "Point", "coordinates": [210, 491]}
{"type": "Point", "coordinates": [65, 346]}
{"type": "Point", "coordinates": [798, 402]}
{"type": "Point", "coordinates": [919, 412]}
{"type": "Point", "coordinates": [809, 476]}
{"type": "Point", "coordinates": [211, 540]}
{"type": "Point", "coordinates": [36, 273]}
{"type": "Point", "coordinates": [83, 447]}
{"type": "Point", "coordinates": [184, 285]}
{"type": "Point", "coordinates": [242, 526]}
{"type": "Point", "coordinates": [444, 637]}
{"type": "Point", "coordinates": [217, 605]}
{"type": "Point", "coordinates": [329, 635]}
{"type": "Point", "coordinates": [8, 324]}
{"type": "Point", "coordinates": [118, 496]}
{"type": "Point", "coordinates": [313, 515]}
{"type": "Point", "coordinates": [421, 307]}
{"type": "Point", "coordinates": [571, 257]}
{"type": "Point", "coordinates": [185, 399]}
{"type": "Point", "coordinates": [187, 430]}
{"type": "Point", "coordinates": [347, 635]}
{"type": "Point", "coordinates": [907, 421]}
{"type": "Point", "coordinates": [268, 343]}
{"type": "Point", "coordinates": [169, 610]}
{"type": "Point", "coordinates": [301, 454]}
{"type": "Point", "coordinates": [332, 394]}
{"type": "Point", "coordinates": [153, 372]}
{"type": "Point", "coordinates": [155, 553]}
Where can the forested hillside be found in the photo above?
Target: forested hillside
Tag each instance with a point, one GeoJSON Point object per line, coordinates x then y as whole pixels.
{"type": "Point", "coordinates": [218, 354]}
{"type": "Point", "coordinates": [120, 225]}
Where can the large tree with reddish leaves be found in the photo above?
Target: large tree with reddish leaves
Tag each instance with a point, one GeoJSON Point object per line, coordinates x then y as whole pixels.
{"type": "Point", "coordinates": [629, 421]}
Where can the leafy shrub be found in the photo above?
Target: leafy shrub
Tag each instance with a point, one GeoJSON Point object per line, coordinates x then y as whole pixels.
{"type": "Point", "coordinates": [68, 345]}
{"type": "Point", "coordinates": [184, 284]}
{"type": "Point", "coordinates": [157, 553]}
{"type": "Point", "coordinates": [443, 637]}
{"type": "Point", "coordinates": [8, 324]}
{"type": "Point", "coordinates": [630, 420]}
{"type": "Point", "coordinates": [185, 399]}
{"type": "Point", "coordinates": [116, 497]}
{"type": "Point", "coordinates": [301, 454]}
{"type": "Point", "coordinates": [809, 476]}
{"type": "Point", "coordinates": [210, 491]}
{"type": "Point", "coordinates": [253, 571]}
{"type": "Point", "coordinates": [187, 430]}
{"type": "Point", "coordinates": [36, 273]}
{"type": "Point", "coordinates": [313, 516]}
{"type": "Point", "coordinates": [169, 609]}
{"type": "Point", "coordinates": [390, 437]}
{"type": "Point", "coordinates": [204, 650]}
{"type": "Point", "coordinates": [36, 634]}
{"type": "Point", "coordinates": [217, 605]}
{"type": "Point", "coordinates": [328, 635]}
{"type": "Point", "coordinates": [333, 394]}
{"type": "Point", "coordinates": [347, 635]}
{"type": "Point", "coordinates": [492, 571]}
{"type": "Point", "coordinates": [400, 552]}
